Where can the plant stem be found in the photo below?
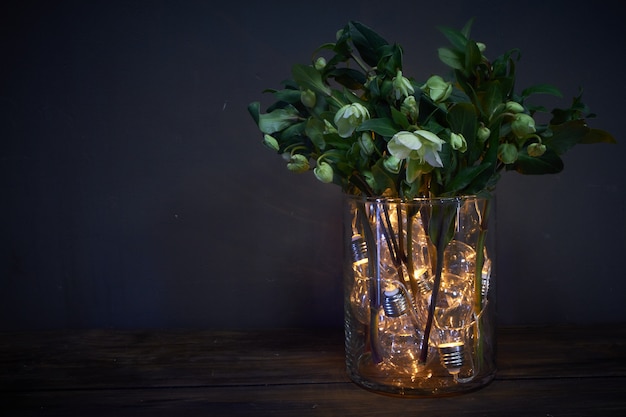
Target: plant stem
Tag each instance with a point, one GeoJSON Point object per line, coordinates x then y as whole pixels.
{"type": "Point", "coordinates": [373, 271]}
{"type": "Point", "coordinates": [443, 219]}
{"type": "Point", "coordinates": [478, 282]}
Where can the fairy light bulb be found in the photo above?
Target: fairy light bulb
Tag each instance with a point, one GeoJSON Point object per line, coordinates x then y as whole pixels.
{"type": "Point", "coordinates": [359, 251]}
{"type": "Point", "coordinates": [399, 338]}
{"type": "Point", "coordinates": [359, 296]}
{"type": "Point", "coordinates": [453, 315]}
{"type": "Point", "coordinates": [485, 277]}
{"type": "Point", "coordinates": [459, 259]}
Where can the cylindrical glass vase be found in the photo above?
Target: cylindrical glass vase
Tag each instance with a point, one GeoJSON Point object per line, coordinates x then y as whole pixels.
{"type": "Point", "coordinates": [419, 294]}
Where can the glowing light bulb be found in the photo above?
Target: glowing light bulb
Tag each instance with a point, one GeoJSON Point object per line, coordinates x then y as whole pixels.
{"type": "Point", "coordinates": [485, 277]}
{"type": "Point", "coordinates": [453, 315]}
{"type": "Point", "coordinates": [459, 259]}
{"type": "Point", "coordinates": [360, 294]}
{"type": "Point", "coordinates": [399, 338]}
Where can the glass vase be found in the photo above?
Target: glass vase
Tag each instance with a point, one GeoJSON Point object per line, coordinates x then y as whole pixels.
{"type": "Point", "coordinates": [419, 294]}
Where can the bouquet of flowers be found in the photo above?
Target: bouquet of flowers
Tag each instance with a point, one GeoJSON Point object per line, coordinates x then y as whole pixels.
{"type": "Point", "coordinates": [417, 161]}
{"type": "Point", "coordinates": [358, 121]}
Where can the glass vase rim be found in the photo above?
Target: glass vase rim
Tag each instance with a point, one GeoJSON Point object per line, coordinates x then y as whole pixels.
{"type": "Point", "coordinates": [422, 200]}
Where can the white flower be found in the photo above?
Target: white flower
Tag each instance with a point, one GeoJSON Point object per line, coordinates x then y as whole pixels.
{"type": "Point", "coordinates": [349, 117]}
{"type": "Point", "coordinates": [421, 145]}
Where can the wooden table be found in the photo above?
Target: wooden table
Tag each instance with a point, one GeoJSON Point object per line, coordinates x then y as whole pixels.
{"type": "Point", "coordinates": [543, 371]}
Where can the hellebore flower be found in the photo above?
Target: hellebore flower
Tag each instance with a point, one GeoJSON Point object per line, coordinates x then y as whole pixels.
{"type": "Point", "coordinates": [437, 89]}
{"type": "Point", "coordinates": [523, 125]}
{"type": "Point", "coordinates": [420, 146]}
{"type": "Point", "coordinates": [483, 134]}
{"type": "Point", "coordinates": [536, 149]}
{"type": "Point", "coordinates": [367, 144]}
{"type": "Point", "coordinates": [320, 63]}
{"type": "Point", "coordinates": [409, 108]}
{"type": "Point", "coordinates": [307, 97]}
{"type": "Point", "coordinates": [514, 107]}
{"type": "Point", "coordinates": [349, 117]}
{"type": "Point", "coordinates": [298, 163]}
{"type": "Point", "coordinates": [507, 153]}
{"type": "Point", "coordinates": [271, 142]}
{"type": "Point", "coordinates": [458, 142]}
{"type": "Point", "coordinates": [401, 86]}
{"type": "Point", "coordinates": [392, 164]}
{"type": "Point", "coordinates": [323, 172]}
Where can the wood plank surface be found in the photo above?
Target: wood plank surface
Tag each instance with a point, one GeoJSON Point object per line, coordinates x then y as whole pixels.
{"type": "Point", "coordinates": [543, 371]}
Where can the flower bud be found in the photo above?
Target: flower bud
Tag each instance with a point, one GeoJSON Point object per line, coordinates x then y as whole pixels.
{"type": "Point", "coordinates": [483, 134]}
{"type": "Point", "coordinates": [307, 97]}
{"type": "Point", "coordinates": [366, 142]}
{"type": "Point", "coordinates": [481, 47]}
{"type": "Point", "coordinates": [536, 149]}
{"type": "Point", "coordinates": [323, 172]}
{"type": "Point", "coordinates": [513, 107]}
{"type": "Point", "coordinates": [401, 86]}
{"type": "Point", "coordinates": [392, 164]}
{"type": "Point", "coordinates": [507, 153]}
{"type": "Point", "coordinates": [458, 142]}
{"type": "Point", "coordinates": [298, 163]}
{"type": "Point", "coordinates": [271, 142]}
{"type": "Point", "coordinates": [523, 125]}
{"type": "Point", "coordinates": [409, 108]}
{"type": "Point", "coordinates": [437, 89]}
{"type": "Point", "coordinates": [320, 63]}
{"type": "Point", "coordinates": [329, 129]}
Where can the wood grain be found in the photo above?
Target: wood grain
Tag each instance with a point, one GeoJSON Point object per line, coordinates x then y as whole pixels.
{"type": "Point", "coordinates": [543, 371]}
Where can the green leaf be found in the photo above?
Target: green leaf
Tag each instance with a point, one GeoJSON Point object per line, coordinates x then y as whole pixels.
{"type": "Point", "coordinates": [451, 58]}
{"type": "Point", "coordinates": [473, 57]}
{"type": "Point", "coordinates": [414, 168]}
{"type": "Point", "coordinates": [308, 77]}
{"type": "Point", "coordinates": [278, 119]}
{"type": "Point", "coordinates": [463, 119]}
{"type": "Point", "coordinates": [456, 38]}
{"type": "Point", "coordinates": [367, 42]}
{"type": "Point", "coordinates": [288, 96]}
{"type": "Point", "coordinates": [382, 126]}
{"type": "Point", "coordinates": [348, 77]}
{"type": "Point", "coordinates": [467, 28]}
{"type": "Point", "coordinates": [390, 59]}
{"type": "Point", "coordinates": [541, 89]}
{"type": "Point", "coordinates": [465, 176]}
{"type": "Point", "coordinates": [383, 179]}
{"type": "Point", "coordinates": [254, 110]}
{"type": "Point", "coordinates": [492, 97]}
{"type": "Point", "coordinates": [548, 163]}
{"type": "Point", "coordinates": [597, 136]}
{"type": "Point", "coordinates": [399, 118]}
{"type": "Point", "coordinates": [566, 135]}
{"type": "Point", "coordinates": [315, 131]}
{"type": "Point", "coordinates": [293, 133]}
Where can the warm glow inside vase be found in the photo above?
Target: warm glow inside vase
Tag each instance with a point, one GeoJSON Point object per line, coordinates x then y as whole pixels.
{"type": "Point", "coordinates": [420, 295]}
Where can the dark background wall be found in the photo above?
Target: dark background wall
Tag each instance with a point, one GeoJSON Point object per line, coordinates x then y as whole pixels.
{"type": "Point", "coordinates": [136, 192]}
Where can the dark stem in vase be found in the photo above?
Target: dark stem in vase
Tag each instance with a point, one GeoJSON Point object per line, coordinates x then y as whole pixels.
{"type": "Point", "coordinates": [444, 219]}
